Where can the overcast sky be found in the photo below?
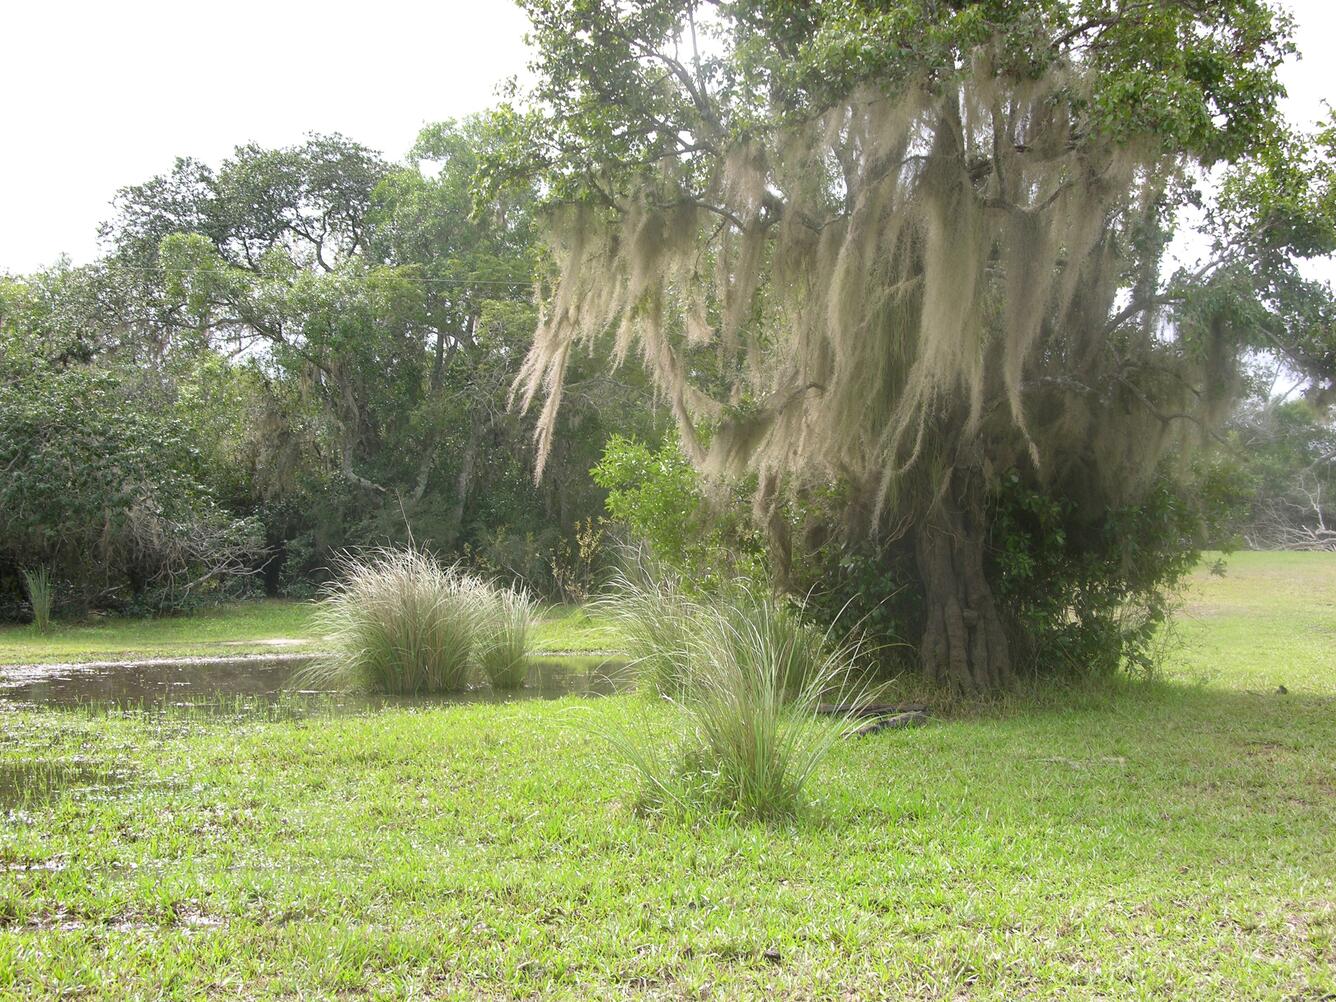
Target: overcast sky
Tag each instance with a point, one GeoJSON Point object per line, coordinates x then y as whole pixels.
{"type": "Point", "coordinates": [103, 94]}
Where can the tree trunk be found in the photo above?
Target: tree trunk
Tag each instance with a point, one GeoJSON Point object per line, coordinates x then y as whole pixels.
{"type": "Point", "coordinates": [464, 480]}
{"type": "Point", "coordinates": [964, 644]}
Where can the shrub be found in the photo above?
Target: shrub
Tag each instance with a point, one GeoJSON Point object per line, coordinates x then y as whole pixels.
{"type": "Point", "coordinates": [1091, 596]}
{"type": "Point", "coordinates": [575, 566]}
{"type": "Point", "coordinates": [661, 499]}
{"type": "Point", "coordinates": [105, 493]}
{"type": "Point", "coordinates": [398, 622]}
{"type": "Point", "coordinates": [1084, 590]}
{"type": "Point", "coordinates": [749, 675]}
{"type": "Point", "coordinates": [661, 620]}
{"type": "Point", "coordinates": [38, 581]}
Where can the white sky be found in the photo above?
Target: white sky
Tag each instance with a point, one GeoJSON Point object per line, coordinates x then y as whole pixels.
{"type": "Point", "coordinates": [107, 93]}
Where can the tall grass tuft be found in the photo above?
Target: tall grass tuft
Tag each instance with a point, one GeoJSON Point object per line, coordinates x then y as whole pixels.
{"type": "Point", "coordinates": [656, 619]}
{"type": "Point", "coordinates": [505, 624]}
{"type": "Point", "coordinates": [398, 622]}
{"type": "Point", "coordinates": [748, 675]}
{"type": "Point", "coordinates": [40, 595]}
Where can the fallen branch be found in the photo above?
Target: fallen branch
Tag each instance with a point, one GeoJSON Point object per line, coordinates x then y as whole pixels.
{"type": "Point", "coordinates": [914, 718]}
{"type": "Point", "coordinates": [870, 709]}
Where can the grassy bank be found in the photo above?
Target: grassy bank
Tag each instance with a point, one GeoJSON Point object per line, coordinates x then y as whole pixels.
{"type": "Point", "coordinates": [239, 628]}
{"type": "Point", "coordinates": [242, 628]}
{"type": "Point", "coordinates": [1172, 840]}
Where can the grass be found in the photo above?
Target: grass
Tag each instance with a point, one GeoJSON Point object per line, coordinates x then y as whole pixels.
{"type": "Point", "coordinates": [247, 628]}
{"type": "Point", "coordinates": [1151, 841]}
{"type": "Point", "coordinates": [397, 621]}
{"type": "Point", "coordinates": [1270, 621]}
{"type": "Point", "coordinates": [38, 582]}
{"type": "Point", "coordinates": [748, 674]}
{"type": "Point", "coordinates": [567, 629]}
{"type": "Point", "coordinates": [504, 637]}
{"type": "Point", "coordinates": [238, 628]}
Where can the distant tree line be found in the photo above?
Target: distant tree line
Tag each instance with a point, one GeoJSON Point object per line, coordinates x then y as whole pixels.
{"type": "Point", "coordinates": [299, 351]}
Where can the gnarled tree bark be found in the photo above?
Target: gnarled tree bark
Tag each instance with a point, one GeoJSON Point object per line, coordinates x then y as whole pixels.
{"type": "Point", "coordinates": [964, 644]}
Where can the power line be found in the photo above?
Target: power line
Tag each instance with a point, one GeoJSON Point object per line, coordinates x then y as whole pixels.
{"type": "Point", "coordinates": [423, 280]}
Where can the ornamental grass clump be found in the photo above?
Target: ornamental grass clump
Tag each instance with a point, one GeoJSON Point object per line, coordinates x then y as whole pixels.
{"type": "Point", "coordinates": [398, 622]}
{"type": "Point", "coordinates": [505, 624]}
{"type": "Point", "coordinates": [40, 595]}
{"type": "Point", "coordinates": [753, 676]}
{"type": "Point", "coordinates": [656, 621]}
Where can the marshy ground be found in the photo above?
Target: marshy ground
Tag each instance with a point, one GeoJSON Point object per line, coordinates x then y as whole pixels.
{"type": "Point", "coordinates": [1171, 839]}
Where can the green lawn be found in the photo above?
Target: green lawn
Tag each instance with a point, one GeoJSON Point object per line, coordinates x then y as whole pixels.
{"type": "Point", "coordinates": [242, 628]}
{"type": "Point", "coordinates": [1167, 840]}
{"type": "Point", "coordinates": [1270, 621]}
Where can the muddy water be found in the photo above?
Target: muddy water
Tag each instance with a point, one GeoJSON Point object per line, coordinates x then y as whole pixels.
{"type": "Point", "coordinates": [233, 685]}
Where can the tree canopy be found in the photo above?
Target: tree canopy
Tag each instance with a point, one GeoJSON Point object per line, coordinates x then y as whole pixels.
{"type": "Point", "coordinates": [963, 312]}
{"type": "Point", "coordinates": [320, 342]}
{"type": "Point", "coordinates": [914, 247]}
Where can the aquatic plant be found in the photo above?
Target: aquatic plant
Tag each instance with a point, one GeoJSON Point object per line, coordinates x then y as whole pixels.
{"type": "Point", "coordinates": [505, 620]}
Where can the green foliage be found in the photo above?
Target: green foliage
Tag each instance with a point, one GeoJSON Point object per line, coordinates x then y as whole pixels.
{"type": "Point", "coordinates": [748, 675]}
{"type": "Point", "coordinates": [1193, 77]}
{"type": "Point", "coordinates": [38, 582]}
{"type": "Point", "coordinates": [578, 564]}
{"type": "Point", "coordinates": [329, 341]}
{"type": "Point", "coordinates": [1083, 590]}
{"type": "Point", "coordinates": [106, 494]}
{"type": "Point", "coordinates": [655, 493]}
{"type": "Point", "coordinates": [660, 498]}
{"type": "Point", "coordinates": [1090, 595]}
{"type": "Point", "coordinates": [871, 586]}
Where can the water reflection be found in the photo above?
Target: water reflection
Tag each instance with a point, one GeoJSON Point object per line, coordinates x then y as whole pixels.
{"type": "Point", "coordinates": [33, 782]}
{"type": "Point", "coordinates": [232, 684]}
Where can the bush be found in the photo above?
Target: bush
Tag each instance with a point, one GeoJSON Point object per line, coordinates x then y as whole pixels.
{"type": "Point", "coordinates": [1083, 589]}
{"type": "Point", "coordinates": [749, 675]}
{"type": "Point", "coordinates": [398, 622]}
{"type": "Point", "coordinates": [102, 491]}
{"type": "Point", "coordinates": [1089, 596]}
{"type": "Point", "coordinates": [660, 498]}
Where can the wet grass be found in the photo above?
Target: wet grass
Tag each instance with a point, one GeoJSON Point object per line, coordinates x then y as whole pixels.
{"type": "Point", "coordinates": [574, 629]}
{"type": "Point", "coordinates": [244, 628]}
{"type": "Point", "coordinates": [239, 628]}
{"type": "Point", "coordinates": [1165, 840]}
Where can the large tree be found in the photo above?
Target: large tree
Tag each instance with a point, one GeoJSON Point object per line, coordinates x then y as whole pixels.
{"type": "Point", "coordinates": [912, 246]}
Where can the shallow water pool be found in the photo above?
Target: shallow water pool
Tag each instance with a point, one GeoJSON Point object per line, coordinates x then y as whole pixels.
{"type": "Point", "coordinates": [262, 681]}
